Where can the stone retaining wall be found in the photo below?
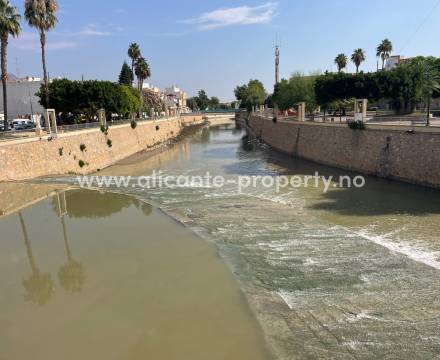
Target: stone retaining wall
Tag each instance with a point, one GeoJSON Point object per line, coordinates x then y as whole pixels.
{"type": "Point", "coordinates": [37, 157]}
{"type": "Point", "coordinates": [385, 151]}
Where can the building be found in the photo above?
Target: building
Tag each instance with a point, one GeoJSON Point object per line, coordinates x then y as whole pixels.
{"type": "Point", "coordinates": [395, 60]}
{"type": "Point", "coordinates": [173, 98]}
{"type": "Point", "coordinates": [22, 101]}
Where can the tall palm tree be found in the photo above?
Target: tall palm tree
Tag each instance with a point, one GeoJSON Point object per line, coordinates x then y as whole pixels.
{"type": "Point", "coordinates": [142, 71]}
{"type": "Point", "coordinates": [430, 84]}
{"type": "Point", "coordinates": [384, 51]}
{"type": "Point", "coordinates": [134, 53]}
{"type": "Point", "coordinates": [9, 25]}
{"type": "Point", "coordinates": [341, 62]}
{"type": "Point", "coordinates": [358, 57]}
{"type": "Point", "coordinates": [41, 14]}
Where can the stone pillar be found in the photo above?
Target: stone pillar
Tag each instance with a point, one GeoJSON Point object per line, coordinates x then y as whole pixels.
{"type": "Point", "coordinates": [301, 111]}
{"type": "Point", "coordinates": [360, 110]}
{"type": "Point", "coordinates": [51, 122]}
{"type": "Point", "coordinates": [102, 118]}
{"type": "Point", "coordinates": [38, 129]}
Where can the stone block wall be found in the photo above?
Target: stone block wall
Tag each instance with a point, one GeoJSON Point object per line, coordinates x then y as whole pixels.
{"type": "Point", "coordinates": [385, 151]}
{"type": "Point", "coordinates": [37, 157]}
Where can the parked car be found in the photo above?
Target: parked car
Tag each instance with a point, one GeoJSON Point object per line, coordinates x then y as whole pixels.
{"type": "Point", "coordinates": [22, 124]}
{"type": "Point", "coordinates": [2, 127]}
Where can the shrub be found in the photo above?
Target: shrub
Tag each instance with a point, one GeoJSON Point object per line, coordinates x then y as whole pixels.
{"type": "Point", "coordinates": [104, 129]}
{"type": "Point", "coordinates": [109, 143]}
{"type": "Point", "coordinates": [356, 125]}
{"type": "Point", "coordinates": [157, 127]}
{"type": "Point", "coordinates": [133, 124]}
{"type": "Point", "coordinates": [82, 147]}
{"type": "Point", "coordinates": [60, 151]}
{"type": "Point", "coordinates": [81, 163]}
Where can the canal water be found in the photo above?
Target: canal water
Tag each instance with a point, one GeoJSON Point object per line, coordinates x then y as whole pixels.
{"type": "Point", "coordinates": [353, 273]}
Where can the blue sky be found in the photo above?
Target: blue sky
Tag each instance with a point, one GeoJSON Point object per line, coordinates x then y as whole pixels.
{"type": "Point", "coordinates": [215, 45]}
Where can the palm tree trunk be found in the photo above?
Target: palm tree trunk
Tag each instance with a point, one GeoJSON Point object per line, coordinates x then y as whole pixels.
{"type": "Point", "coordinates": [4, 68]}
{"type": "Point", "coordinates": [132, 71]}
{"type": "Point", "coordinates": [43, 59]}
{"type": "Point", "coordinates": [357, 69]}
{"type": "Point", "coordinates": [428, 118]}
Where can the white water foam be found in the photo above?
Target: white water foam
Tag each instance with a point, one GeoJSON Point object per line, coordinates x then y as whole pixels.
{"type": "Point", "coordinates": [429, 258]}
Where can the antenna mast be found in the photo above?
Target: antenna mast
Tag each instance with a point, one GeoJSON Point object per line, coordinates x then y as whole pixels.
{"type": "Point", "coordinates": [277, 61]}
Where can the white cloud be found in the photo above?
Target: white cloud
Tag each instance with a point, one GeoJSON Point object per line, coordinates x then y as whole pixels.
{"type": "Point", "coordinates": [92, 30]}
{"type": "Point", "coordinates": [241, 15]}
{"type": "Point", "coordinates": [31, 41]}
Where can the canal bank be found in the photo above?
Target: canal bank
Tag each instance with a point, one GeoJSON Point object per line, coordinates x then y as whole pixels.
{"type": "Point", "coordinates": [395, 152]}
{"type": "Point", "coordinates": [86, 151]}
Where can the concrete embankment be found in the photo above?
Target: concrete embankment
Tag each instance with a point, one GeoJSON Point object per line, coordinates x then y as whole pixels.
{"type": "Point", "coordinates": [37, 157]}
{"type": "Point", "coordinates": [396, 152]}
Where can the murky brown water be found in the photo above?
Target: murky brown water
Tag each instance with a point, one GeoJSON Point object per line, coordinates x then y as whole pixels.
{"type": "Point", "coordinates": [86, 275]}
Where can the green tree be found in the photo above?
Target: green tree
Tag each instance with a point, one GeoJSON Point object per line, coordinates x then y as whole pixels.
{"type": "Point", "coordinates": [9, 25]}
{"type": "Point", "coordinates": [341, 62]}
{"type": "Point", "coordinates": [251, 95]}
{"type": "Point", "coordinates": [125, 76]}
{"type": "Point", "coordinates": [430, 84]}
{"type": "Point", "coordinates": [358, 58]}
{"type": "Point", "coordinates": [142, 70]}
{"type": "Point", "coordinates": [298, 88]}
{"type": "Point", "coordinates": [214, 103]}
{"type": "Point", "coordinates": [384, 51]}
{"type": "Point", "coordinates": [41, 14]}
{"type": "Point", "coordinates": [128, 101]}
{"type": "Point", "coordinates": [87, 97]}
{"type": "Point", "coordinates": [202, 100]}
{"type": "Point", "coordinates": [134, 52]}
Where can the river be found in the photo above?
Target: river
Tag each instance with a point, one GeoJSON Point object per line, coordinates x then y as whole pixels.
{"type": "Point", "coordinates": [353, 273]}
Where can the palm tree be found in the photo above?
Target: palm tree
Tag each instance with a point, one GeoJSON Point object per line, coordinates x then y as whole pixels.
{"type": "Point", "coordinates": [41, 14]}
{"type": "Point", "coordinates": [134, 53]}
{"type": "Point", "coordinates": [9, 25]}
{"type": "Point", "coordinates": [341, 62]}
{"type": "Point", "coordinates": [142, 70]}
{"type": "Point", "coordinates": [384, 51]}
{"type": "Point", "coordinates": [430, 84]}
{"type": "Point", "coordinates": [358, 57]}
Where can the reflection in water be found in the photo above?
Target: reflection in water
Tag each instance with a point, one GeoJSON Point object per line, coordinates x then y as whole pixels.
{"type": "Point", "coordinates": [92, 204]}
{"type": "Point", "coordinates": [153, 289]}
{"type": "Point", "coordinates": [71, 275]}
{"type": "Point", "coordinates": [39, 287]}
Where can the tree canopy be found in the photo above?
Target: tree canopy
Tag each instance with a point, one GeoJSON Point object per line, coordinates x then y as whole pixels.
{"type": "Point", "coordinates": [87, 97]}
{"type": "Point", "coordinates": [125, 76]}
{"type": "Point", "coordinates": [251, 94]}
{"type": "Point", "coordinates": [297, 89]}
